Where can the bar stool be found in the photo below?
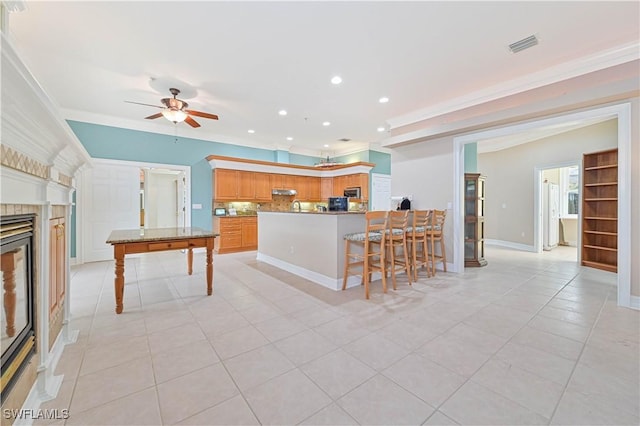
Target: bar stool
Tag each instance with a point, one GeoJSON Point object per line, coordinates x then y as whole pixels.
{"type": "Point", "coordinates": [397, 238]}
{"type": "Point", "coordinates": [417, 238]}
{"type": "Point", "coordinates": [370, 260]}
{"type": "Point", "coordinates": [435, 234]}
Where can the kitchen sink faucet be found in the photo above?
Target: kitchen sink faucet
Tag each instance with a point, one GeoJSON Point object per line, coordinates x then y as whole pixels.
{"type": "Point", "coordinates": [293, 205]}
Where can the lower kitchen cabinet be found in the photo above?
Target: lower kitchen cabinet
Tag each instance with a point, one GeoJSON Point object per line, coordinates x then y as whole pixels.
{"type": "Point", "coordinates": [237, 233]}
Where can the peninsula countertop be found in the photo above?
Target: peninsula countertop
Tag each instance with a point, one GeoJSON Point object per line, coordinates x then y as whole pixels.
{"type": "Point", "coordinates": [314, 212]}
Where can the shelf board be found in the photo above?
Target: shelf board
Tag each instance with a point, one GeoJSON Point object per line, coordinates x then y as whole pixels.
{"type": "Point", "coordinates": [602, 199]}
{"type": "Point", "coordinates": [601, 184]}
{"type": "Point", "coordinates": [600, 265]}
{"type": "Point", "coordinates": [606, 166]}
{"type": "Point", "coordinates": [599, 218]}
{"type": "Point", "coordinates": [601, 233]}
{"type": "Point", "coordinates": [600, 248]}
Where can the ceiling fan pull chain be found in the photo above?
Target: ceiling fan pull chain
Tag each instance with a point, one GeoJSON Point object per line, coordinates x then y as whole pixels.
{"type": "Point", "coordinates": [175, 126]}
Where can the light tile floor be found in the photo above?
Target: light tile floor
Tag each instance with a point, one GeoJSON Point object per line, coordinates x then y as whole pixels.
{"type": "Point", "coordinates": [528, 339]}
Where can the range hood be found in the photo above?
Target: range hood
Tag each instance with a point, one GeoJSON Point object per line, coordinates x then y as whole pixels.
{"type": "Point", "coordinates": [284, 192]}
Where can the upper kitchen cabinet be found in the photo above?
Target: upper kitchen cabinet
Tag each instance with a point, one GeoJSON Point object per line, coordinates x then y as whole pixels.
{"type": "Point", "coordinates": [262, 186]}
{"type": "Point", "coordinates": [225, 184]}
{"type": "Point", "coordinates": [237, 179]}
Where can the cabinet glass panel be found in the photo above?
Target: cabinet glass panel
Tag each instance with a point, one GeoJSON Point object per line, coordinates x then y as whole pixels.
{"type": "Point", "coordinates": [471, 188]}
{"type": "Point", "coordinates": [469, 248]}
{"type": "Point", "coordinates": [470, 230]}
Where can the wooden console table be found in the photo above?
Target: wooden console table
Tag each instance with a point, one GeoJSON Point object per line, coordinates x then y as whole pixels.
{"type": "Point", "coordinates": [131, 241]}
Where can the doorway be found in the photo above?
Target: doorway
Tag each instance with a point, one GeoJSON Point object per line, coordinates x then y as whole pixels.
{"type": "Point", "coordinates": [110, 198]}
{"type": "Point", "coordinates": [621, 112]}
{"type": "Point", "coordinates": [558, 220]}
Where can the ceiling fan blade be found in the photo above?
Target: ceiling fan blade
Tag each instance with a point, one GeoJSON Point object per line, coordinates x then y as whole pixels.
{"type": "Point", "coordinates": [151, 117]}
{"type": "Point", "coordinates": [191, 122]}
{"type": "Point", "coordinates": [138, 103]}
{"type": "Point", "coordinates": [201, 114]}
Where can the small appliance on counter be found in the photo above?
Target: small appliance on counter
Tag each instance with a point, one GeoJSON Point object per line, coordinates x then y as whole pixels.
{"type": "Point", "coordinates": [220, 211]}
{"type": "Point", "coordinates": [338, 204]}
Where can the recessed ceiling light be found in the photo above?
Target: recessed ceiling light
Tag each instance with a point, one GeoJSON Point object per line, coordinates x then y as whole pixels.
{"type": "Point", "coordinates": [381, 129]}
{"type": "Point", "coordinates": [326, 145]}
{"type": "Point", "coordinates": [289, 138]}
{"type": "Point", "coordinates": [336, 79]}
{"type": "Point", "coordinates": [282, 112]}
{"type": "Point", "coordinates": [383, 100]}
{"type": "Point", "coordinates": [326, 123]}
{"type": "Point", "coordinates": [251, 131]}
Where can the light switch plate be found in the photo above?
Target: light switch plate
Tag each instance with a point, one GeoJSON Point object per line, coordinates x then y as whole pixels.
{"type": "Point", "coordinates": [196, 206]}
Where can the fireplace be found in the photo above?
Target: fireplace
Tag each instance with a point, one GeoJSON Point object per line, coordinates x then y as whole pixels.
{"type": "Point", "coordinates": [18, 309]}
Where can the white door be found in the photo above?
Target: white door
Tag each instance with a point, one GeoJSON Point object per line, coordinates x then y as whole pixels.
{"type": "Point", "coordinates": [110, 194]}
{"type": "Point", "coordinates": [164, 198]}
{"type": "Point", "coordinates": [380, 192]}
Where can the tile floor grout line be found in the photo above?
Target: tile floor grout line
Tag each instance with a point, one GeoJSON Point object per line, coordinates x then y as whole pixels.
{"type": "Point", "coordinates": [564, 390]}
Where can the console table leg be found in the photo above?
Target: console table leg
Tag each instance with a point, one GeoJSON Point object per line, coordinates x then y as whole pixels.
{"type": "Point", "coordinates": [210, 266]}
{"type": "Point", "coordinates": [190, 261]}
{"type": "Point", "coordinates": [119, 280]}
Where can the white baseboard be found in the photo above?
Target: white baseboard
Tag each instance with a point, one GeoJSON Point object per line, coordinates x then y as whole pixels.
{"type": "Point", "coordinates": [509, 244]}
{"type": "Point", "coordinates": [318, 278]}
{"type": "Point", "coordinates": [634, 303]}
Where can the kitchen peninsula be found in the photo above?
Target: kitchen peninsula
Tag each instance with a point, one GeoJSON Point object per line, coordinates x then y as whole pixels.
{"type": "Point", "coordinates": [308, 244]}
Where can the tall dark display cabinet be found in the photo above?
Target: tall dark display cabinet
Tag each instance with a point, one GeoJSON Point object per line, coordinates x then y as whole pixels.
{"type": "Point", "coordinates": [600, 210]}
{"type": "Point", "coordinates": [474, 220]}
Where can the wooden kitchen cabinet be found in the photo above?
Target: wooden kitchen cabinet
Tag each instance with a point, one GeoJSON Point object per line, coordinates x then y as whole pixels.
{"type": "Point", "coordinates": [57, 264]}
{"type": "Point", "coordinates": [301, 185]}
{"type": "Point", "coordinates": [262, 186]}
{"type": "Point", "coordinates": [225, 184]}
{"type": "Point", "coordinates": [237, 233]}
{"type": "Point", "coordinates": [246, 186]}
{"type": "Point", "coordinates": [240, 185]}
{"type": "Point", "coordinates": [326, 188]}
{"type": "Point", "coordinates": [314, 189]}
{"type": "Point", "coordinates": [249, 227]}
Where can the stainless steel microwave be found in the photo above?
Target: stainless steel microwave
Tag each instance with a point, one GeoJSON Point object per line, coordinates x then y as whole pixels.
{"type": "Point", "coordinates": [353, 192]}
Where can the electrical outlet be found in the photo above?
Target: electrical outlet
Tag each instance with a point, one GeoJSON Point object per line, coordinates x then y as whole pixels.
{"type": "Point", "coordinates": [291, 250]}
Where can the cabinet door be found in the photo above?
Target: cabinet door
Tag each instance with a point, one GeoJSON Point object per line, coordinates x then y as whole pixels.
{"type": "Point", "coordinates": [225, 184]}
{"type": "Point", "coordinates": [249, 232]}
{"type": "Point", "coordinates": [339, 184]}
{"type": "Point", "coordinates": [277, 181]}
{"type": "Point", "coordinates": [363, 183]}
{"type": "Point", "coordinates": [262, 186]}
{"type": "Point", "coordinates": [326, 188]}
{"type": "Point", "coordinates": [289, 181]}
{"type": "Point", "coordinates": [302, 186]}
{"type": "Point", "coordinates": [246, 186]}
{"type": "Point", "coordinates": [314, 189]}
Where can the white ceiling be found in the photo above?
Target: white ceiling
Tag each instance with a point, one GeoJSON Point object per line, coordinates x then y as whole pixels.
{"type": "Point", "coordinates": [247, 60]}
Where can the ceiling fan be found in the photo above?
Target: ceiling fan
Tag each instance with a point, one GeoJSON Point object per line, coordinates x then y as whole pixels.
{"type": "Point", "coordinates": [176, 110]}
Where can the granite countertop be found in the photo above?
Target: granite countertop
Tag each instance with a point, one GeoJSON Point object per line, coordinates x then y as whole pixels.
{"type": "Point", "coordinates": [156, 234]}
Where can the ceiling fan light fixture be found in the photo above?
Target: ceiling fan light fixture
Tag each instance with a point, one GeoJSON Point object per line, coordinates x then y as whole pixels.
{"type": "Point", "coordinates": [174, 115]}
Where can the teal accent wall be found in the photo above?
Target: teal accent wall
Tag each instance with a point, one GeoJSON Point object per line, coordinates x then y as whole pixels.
{"type": "Point", "coordinates": [115, 143]}
{"type": "Point", "coordinates": [382, 162]}
{"type": "Point", "coordinates": [281, 156]}
{"type": "Point", "coordinates": [471, 158]}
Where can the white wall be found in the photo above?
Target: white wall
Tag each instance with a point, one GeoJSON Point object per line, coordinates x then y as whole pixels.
{"type": "Point", "coordinates": [425, 170]}
{"type": "Point", "coordinates": [509, 214]}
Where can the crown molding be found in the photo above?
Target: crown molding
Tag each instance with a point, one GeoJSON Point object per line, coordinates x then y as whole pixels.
{"type": "Point", "coordinates": [587, 64]}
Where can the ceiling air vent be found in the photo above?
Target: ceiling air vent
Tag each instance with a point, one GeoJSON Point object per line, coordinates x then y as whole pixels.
{"type": "Point", "coordinates": [523, 44]}
{"type": "Point", "coordinates": [344, 139]}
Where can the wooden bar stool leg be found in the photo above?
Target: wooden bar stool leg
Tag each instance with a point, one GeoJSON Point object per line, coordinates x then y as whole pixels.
{"type": "Point", "coordinates": [346, 264]}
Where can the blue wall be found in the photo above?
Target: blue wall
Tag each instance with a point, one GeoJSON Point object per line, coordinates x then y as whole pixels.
{"type": "Point", "coordinates": [471, 158]}
{"type": "Point", "coordinates": [115, 143]}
